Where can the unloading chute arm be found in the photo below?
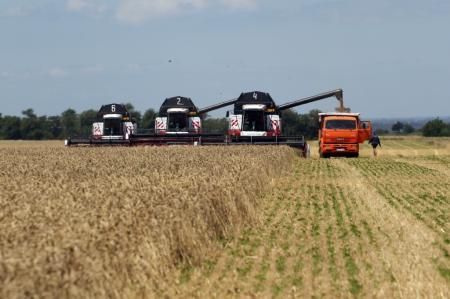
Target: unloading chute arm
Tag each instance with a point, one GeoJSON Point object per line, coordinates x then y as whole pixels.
{"type": "Point", "coordinates": [217, 106]}
{"type": "Point", "coordinates": [338, 93]}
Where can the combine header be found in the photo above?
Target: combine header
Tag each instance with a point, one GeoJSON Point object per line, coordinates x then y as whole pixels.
{"type": "Point", "coordinates": [255, 119]}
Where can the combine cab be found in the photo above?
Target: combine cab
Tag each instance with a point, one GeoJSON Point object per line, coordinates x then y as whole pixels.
{"type": "Point", "coordinates": [178, 115]}
{"type": "Point", "coordinates": [255, 114]}
{"type": "Point", "coordinates": [113, 125]}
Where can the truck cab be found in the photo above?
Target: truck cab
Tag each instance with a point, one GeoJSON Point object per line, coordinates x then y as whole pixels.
{"type": "Point", "coordinates": [341, 133]}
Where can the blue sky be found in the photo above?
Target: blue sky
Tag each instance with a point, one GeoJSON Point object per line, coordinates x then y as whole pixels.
{"type": "Point", "coordinates": [392, 58]}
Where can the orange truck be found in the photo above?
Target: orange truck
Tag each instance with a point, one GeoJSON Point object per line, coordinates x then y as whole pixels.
{"type": "Point", "coordinates": [341, 133]}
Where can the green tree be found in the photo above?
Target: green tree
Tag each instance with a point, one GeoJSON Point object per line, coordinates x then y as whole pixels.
{"type": "Point", "coordinates": [70, 123]}
{"type": "Point", "coordinates": [87, 118]}
{"type": "Point", "coordinates": [381, 132]}
{"type": "Point", "coordinates": [408, 129]}
{"type": "Point", "coordinates": [215, 125]}
{"type": "Point", "coordinates": [10, 127]}
{"type": "Point", "coordinates": [397, 127]}
{"type": "Point", "coordinates": [55, 126]}
{"type": "Point", "coordinates": [290, 122]}
{"type": "Point", "coordinates": [306, 125]}
{"type": "Point", "coordinates": [148, 119]}
{"type": "Point", "coordinates": [436, 128]}
{"type": "Point", "coordinates": [135, 115]}
{"type": "Point", "coordinates": [312, 131]}
{"type": "Point", "coordinates": [42, 130]}
{"type": "Point", "coordinates": [31, 126]}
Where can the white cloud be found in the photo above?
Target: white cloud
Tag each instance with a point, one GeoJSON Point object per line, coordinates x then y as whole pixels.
{"type": "Point", "coordinates": [137, 11]}
{"type": "Point", "coordinates": [238, 4]}
{"type": "Point", "coordinates": [92, 69]}
{"type": "Point", "coordinates": [57, 72]}
{"type": "Point", "coordinates": [16, 11]}
{"type": "Point", "coordinates": [77, 5]}
{"type": "Point", "coordinates": [134, 67]}
{"type": "Point", "coordinates": [90, 6]}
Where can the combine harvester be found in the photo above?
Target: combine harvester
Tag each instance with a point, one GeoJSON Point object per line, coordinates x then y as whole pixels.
{"type": "Point", "coordinates": [113, 126]}
{"type": "Point", "coordinates": [179, 122]}
{"type": "Point", "coordinates": [255, 119]}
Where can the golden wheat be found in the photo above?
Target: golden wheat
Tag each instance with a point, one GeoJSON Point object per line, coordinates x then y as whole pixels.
{"type": "Point", "coordinates": [115, 222]}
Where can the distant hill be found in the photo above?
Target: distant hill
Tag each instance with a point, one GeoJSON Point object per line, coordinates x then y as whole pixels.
{"type": "Point", "coordinates": [416, 122]}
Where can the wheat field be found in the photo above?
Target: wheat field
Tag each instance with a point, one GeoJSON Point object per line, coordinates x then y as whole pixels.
{"type": "Point", "coordinates": [224, 222]}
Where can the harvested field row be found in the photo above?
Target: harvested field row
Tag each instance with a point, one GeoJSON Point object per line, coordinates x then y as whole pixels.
{"type": "Point", "coordinates": [423, 191]}
{"type": "Point", "coordinates": [115, 222]}
{"type": "Point", "coordinates": [328, 231]}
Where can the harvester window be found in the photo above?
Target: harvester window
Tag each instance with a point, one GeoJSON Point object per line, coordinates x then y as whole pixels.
{"type": "Point", "coordinates": [341, 124]}
{"type": "Point", "coordinates": [178, 122]}
{"type": "Point", "coordinates": [254, 121]}
{"type": "Point", "coordinates": [112, 127]}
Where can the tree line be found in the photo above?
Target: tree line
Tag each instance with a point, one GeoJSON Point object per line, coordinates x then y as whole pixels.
{"type": "Point", "coordinates": [30, 126]}
{"type": "Point", "coordinates": [433, 128]}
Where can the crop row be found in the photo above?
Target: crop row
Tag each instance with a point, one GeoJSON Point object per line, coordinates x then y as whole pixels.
{"type": "Point", "coordinates": [417, 190]}
{"type": "Point", "coordinates": [317, 239]}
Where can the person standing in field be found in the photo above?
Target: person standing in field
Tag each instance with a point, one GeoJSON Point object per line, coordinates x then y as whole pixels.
{"type": "Point", "coordinates": [375, 142]}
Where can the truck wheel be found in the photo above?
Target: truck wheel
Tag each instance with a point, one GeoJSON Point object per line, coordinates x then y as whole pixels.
{"type": "Point", "coordinates": [325, 156]}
